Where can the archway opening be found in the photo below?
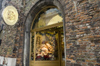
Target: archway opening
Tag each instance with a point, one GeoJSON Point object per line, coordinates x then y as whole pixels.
{"type": "Point", "coordinates": [47, 38]}
{"type": "Point", "coordinates": [33, 25]}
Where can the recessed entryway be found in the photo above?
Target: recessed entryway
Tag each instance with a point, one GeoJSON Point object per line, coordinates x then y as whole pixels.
{"type": "Point", "coordinates": [44, 35]}
{"type": "Point", "coordinates": [47, 39]}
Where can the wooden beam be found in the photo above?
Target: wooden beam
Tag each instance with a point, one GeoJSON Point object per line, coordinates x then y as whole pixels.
{"type": "Point", "coordinates": [48, 27]}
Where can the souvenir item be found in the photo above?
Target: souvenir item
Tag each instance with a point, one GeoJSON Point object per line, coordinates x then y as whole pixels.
{"type": "Point", "coordinates": [10, 15]}
{"type": "Point", "coordinates": [45, 46]}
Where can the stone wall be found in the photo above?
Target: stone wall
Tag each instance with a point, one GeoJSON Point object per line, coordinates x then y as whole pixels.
{"type": "Point", "coordinates": [12, 40]}
{"type": "Point", "coordinates": [82, 31]}
{"type": "Point", "coordinates": [8, 33]}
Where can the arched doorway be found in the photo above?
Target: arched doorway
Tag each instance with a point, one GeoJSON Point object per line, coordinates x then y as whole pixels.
{"type": "Point", "coordinates": [30, 19]}
{"type": "Point", "coordinates": [47, 38]}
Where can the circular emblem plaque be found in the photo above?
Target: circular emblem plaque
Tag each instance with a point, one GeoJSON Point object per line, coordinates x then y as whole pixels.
{"type": "Point", "coordinates": [10, 15]}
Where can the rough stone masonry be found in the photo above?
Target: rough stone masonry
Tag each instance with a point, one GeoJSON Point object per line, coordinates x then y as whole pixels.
{"type": "Point", "coordinates": [82, 18]}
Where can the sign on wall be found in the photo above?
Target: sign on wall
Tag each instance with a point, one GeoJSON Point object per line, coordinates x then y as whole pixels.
{"type": "Point", "coordinates": [7, 61]}
{"type": "Point", "coordinates": [10, 15]}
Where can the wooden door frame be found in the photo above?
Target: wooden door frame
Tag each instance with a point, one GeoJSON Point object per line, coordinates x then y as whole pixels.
{"type": "Point", "coordinates": [41, 29]}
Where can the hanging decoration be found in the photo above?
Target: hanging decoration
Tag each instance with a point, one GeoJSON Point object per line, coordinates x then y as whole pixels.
{"type": "Point", "coordinates": [10, 15]}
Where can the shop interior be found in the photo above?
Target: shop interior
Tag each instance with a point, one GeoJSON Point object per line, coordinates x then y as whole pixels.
{"type": "Point", "coordinates": [47, 39]}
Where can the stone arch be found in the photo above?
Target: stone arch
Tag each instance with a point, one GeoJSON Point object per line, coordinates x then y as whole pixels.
{"type": "Point", "coordinates": [31, 15]}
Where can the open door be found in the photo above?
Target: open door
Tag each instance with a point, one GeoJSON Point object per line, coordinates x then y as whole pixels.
{"type": "Point", "coordinates": [47, 46]}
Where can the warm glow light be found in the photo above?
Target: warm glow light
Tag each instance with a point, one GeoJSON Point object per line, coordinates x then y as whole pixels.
{"type": "Point", "coordinates": [55, 19]}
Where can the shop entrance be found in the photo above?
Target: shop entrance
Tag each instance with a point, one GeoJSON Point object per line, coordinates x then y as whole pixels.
{"type": "Point", "coordinates": [47, 39]}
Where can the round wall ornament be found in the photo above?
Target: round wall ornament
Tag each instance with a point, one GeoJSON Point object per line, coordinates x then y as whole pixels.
{"type": "Point", "coordinates": [10, 15]}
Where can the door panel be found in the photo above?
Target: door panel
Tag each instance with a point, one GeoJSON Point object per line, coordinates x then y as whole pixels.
{"type": "Point", "coordinates": [50, 63]}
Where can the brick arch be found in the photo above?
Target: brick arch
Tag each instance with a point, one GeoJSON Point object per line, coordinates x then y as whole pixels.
{"type": "Point", "coordinates": [31, 15]}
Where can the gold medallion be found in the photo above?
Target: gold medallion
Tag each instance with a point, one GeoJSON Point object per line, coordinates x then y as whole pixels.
{"type": "Point", "coordinates": [10, 15]}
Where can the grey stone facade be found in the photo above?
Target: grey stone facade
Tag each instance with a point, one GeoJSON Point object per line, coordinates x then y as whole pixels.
{"type": "Point", "coordinates": [82, 27]}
